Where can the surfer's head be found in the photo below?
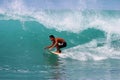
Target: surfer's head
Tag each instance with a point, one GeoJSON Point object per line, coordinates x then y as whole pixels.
{"type": "Point", "coordinates": [52, 38]}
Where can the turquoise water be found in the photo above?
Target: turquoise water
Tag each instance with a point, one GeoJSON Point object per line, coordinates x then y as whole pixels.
{"type": "Point", "coordinates": [93, 51]}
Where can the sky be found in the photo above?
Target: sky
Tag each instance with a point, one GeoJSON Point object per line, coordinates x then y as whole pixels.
{"type": "Point", "coordinates": [66, 4]}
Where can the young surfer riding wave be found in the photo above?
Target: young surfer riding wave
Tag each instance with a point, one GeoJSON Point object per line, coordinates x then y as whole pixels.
{"type": "Point", "coordinates": [56, 42]}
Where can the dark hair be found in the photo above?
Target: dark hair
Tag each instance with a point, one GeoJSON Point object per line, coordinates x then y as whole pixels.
{"type": "Point", "coordinates": [51, 36]}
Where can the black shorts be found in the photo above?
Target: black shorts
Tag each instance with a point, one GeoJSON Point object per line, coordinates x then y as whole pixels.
{"type": "Point", "coordinates": [61, 45]}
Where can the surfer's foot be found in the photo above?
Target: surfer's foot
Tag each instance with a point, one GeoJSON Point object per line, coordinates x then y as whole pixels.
{"type": "Point", "coordinates": [59, 51]}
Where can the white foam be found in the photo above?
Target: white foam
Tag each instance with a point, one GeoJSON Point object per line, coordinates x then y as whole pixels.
{"type": "Point", "coordinates": [14, 6]}
{"type": "Point", "coordinates": [69, 20]}
{"type": "Point", "coordinates": [90, 51]}
{"type": "Point", "coordinates": [107, 25]}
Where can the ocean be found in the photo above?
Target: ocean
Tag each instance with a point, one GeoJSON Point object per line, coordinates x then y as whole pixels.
{"type": "Point", "coordinates": [92, 53]}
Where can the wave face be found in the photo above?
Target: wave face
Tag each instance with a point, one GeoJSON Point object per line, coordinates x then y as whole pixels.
{"type": "Point", "coordinates": [91, 35]}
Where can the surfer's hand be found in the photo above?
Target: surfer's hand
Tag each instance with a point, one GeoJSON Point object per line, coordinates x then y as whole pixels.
{"type": "Point", "coordinates": [50, 48]}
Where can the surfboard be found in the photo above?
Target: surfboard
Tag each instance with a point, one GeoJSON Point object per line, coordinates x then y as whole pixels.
{"type": "Point", "coordinates": [53, 52]}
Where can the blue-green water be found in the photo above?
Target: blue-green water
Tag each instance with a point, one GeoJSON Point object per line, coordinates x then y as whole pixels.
{"type": "Point", "coordinates": [93, 51]}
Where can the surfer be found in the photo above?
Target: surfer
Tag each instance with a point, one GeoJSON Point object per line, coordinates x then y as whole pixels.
{"type": "Point", "coordinates": [56, 42]}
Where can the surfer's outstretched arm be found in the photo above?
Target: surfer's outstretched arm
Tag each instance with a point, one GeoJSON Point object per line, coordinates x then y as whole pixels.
{"type": "Point", "coordinates": [50, 47]}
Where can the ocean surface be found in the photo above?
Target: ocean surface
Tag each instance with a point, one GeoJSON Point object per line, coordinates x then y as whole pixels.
{"type": "Point", "coordinates": [93, 38]}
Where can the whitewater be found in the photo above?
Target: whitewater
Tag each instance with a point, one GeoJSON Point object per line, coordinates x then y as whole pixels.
{"type": "Point", "coordinates": [93, 38]}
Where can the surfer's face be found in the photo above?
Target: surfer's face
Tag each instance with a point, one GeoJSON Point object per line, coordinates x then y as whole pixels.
{"type": "Point", "coordinates": [52, 39]}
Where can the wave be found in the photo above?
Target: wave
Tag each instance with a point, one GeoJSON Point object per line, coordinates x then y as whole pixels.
{"type": "Point", "coordinates": [91, 34]}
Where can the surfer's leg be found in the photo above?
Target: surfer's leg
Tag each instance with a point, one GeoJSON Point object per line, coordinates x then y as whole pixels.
{"type": "Point", "coordinates": [58, 49]}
